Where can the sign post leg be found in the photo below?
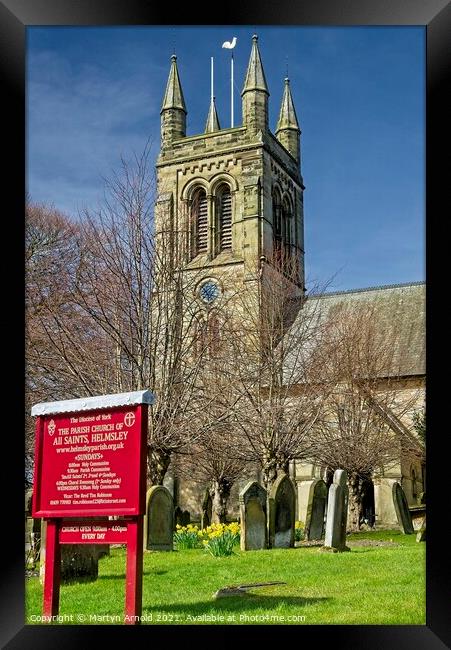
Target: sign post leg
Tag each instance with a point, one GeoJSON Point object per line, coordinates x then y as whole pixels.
{"type": "Point", "coordinates": [52, 570]}
{"type": "Point", "coordinates": [134, 572]}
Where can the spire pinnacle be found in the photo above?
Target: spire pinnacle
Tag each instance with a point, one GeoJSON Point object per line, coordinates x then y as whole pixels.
{"type": "Point", "coordinates": [287, 115]}
{"type": "Point", "coordinates": [255, 77]}
{"type": "Point", "coordinates": [212, 123]}
{"type": "Point", "coordinates": [173, 97]}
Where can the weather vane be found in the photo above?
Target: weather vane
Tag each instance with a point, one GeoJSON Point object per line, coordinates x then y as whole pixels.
{"type": "Point", "coordinates": [229, 45]}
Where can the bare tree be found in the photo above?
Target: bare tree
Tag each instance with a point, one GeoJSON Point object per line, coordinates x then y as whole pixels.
{"type": "Point", "coordinates": [119, 313]}
{"type": "Point", "coordinates": [214, 460]}
{"type": "Point", "coordinates": [366, 419]}
{"type": "Point", "coordinates": [275, 377]}
{"type": "Point", "coordinates": [50, 253]}
{"type": "Point", "coordinates": [419, 426]}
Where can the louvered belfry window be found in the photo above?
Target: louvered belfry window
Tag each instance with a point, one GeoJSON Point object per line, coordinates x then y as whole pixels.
{"type": "Point", "coordinates": [225, 220]}
{"type": "Point", "coordinates": [200, 222]}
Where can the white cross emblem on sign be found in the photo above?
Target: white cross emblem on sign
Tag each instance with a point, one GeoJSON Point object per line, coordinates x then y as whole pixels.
{"type": "Point", "coordinates": [129, 419]}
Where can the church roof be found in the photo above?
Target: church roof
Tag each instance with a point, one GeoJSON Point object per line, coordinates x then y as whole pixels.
{"type": "Point", "coordinates": [399, 309]}
{"type": "Point", "coordinates": [173, 97]}
{"type": "Point", "coordinates": [255, 76]}
{"type": "Point", "coordinates": [287, 115]}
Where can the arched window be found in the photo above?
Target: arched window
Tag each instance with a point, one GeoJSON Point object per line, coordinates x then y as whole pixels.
{"type": "Point", "coordinates": [287, 235]}
{"type": "Point", "coordinates": [277, 221]}
{"type": "Point", "coordinates": [199, 222]}
{"type": "Point", "coordinates": [224, 221]}
{"type": "Point", "coordinates": [213, 333]}
{"type": "Point", "coordinates": [207, 335]}
{"type": "Point", "coordinates": [200, 336]}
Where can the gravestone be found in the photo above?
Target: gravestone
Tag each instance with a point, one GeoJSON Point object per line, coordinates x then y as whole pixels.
{"type": "Point", "coordinates": [316, 509]}
{"type": "Point", "coordinates": [281, 506]}
{"type": "Point", "coordinates": [28, 520]}
{"type": "Point", "coordinates": [178, 516]}
{"type": "Point", "coordinates": [421, 535]}
{"type": "Point", "coordinates": [182, 517]}
{"type": "Point", "coordinates": [402, 509]}
{"type": "Point", "coordinates": [159, 521]}
{"type": "Point", "coordinates": [32, 529]}
{"type": "Point", "coordinates": [417, 514]}
{"type": "Point", "coordinates": [103, 550]}
{"type": "Point", "coordinates": [33, 536]}
{"type": "Point", "coordinates": [207, 510]}
{"type": "Point", "coordinates": [79, 562]}
{"type": "Point", "coordinates": [253, 517]}
{"type": "Point", "coordinates": [337, 513]}
{"type": "Point", "coordinates": [169, 484]}
{"type": "Point", "coordinates": [28, 500]}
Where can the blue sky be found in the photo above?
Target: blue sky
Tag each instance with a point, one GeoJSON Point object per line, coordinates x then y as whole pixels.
{"type": "Point", "coordinates": [94, 94]}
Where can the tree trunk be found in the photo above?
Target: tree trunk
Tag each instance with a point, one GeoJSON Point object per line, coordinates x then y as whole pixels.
{"type": "Point", "coordinates": [269, 473]}
{"type": "Point", "coordinates": [220, 493]}
{"type": "Point", "coordinates": [356, 491]}
{"type": "Point", "coordinates": [272, 469]}
{"type": "Point", "coordinates": [157, 464]}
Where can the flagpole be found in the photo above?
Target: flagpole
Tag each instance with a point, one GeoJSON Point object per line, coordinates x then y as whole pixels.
{"type": "Point", "coordinates": [212, 94]}
{"type": "Point", "coordinates": [230, 45]}
{"type": "Point", "coordinates": [231, 92]}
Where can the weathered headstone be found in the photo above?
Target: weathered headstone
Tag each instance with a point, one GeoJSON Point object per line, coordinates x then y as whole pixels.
{"type": "Point", "coordinates": [421, 535]}
{"type": "Point", "coordinates": [178, 516]}
{"type": "Point", "coordinates": [28, 519]}
{"type": "Point", "coordinates": [281, 505]}
{"type": "Point", "coordinates": [33, 535]}
{"type": "Point", "coordinates": [102, 550]}
{"type": "Point", "coordinates": [28, 500]}
{"type": "Point", "coordinates": [253, 517]}
{"type": "Point", "coordinates": [337, 513]}
{"type": "Point", "coordinates": [402, 509]}
{"type": "Point", "coordinates": [417, 514]}
{"type": "Point", "coordinates": [316, 509]}
{"type": "Point", "coordinates": [182, 517]}
{"type": "Point", "coordinates": [32, 530]}
{"type": "Point", "coordinates": [207, 510]}
{"type": "Point", "coordinates": [169, 484]}
{"type": "Point", "coordinates": [159, 521]}
{"type": "Point", "coordinates": [79, 562]}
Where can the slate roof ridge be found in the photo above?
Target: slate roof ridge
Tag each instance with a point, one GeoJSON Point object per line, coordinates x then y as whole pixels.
{"type": "Point", "coordinates": [368, 289]}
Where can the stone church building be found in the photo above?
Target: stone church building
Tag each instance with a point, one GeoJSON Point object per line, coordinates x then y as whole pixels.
{"type": "Point", "coordinates": [238, 194]}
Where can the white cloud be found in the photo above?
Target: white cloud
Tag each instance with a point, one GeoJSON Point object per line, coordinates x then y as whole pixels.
{"type": "Point", "coordinates": [79, 123]}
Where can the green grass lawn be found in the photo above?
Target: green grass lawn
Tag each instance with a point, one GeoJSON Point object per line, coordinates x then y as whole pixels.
{"type": "Point", "coordinates": [370, 585]}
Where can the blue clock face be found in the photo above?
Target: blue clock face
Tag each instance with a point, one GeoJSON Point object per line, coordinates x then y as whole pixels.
{"type": "Point", "coordinates": [209, 292]}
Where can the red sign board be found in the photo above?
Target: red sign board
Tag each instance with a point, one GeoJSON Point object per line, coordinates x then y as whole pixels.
{"type": "Point", "coordinates": [93, 532]}
{"type": "Point", "coordinates": [90, 463]}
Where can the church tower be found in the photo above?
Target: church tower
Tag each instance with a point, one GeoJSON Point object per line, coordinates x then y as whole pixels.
{"type": "Point", "coordinates": [233, 196]}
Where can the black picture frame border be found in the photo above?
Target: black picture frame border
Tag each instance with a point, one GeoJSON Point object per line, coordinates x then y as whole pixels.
{"type": "Point", "coordinates": [15, 17]}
